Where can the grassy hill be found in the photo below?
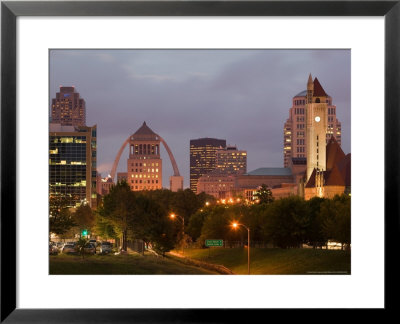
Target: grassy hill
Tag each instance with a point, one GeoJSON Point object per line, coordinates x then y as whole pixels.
{"type": "Point", "coordinates": [276, 261]}
{"type": "Point", "coordinates": [119, 264]}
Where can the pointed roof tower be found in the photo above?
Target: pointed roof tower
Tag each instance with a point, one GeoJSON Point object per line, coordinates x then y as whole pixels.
{"type": "Point", "coordinates": [318, 90]}
{"type": "Point", "coordinates": [334, 153]}
{"type": "Point", "coordinates": [334, 177]}
{"type": "Point", "coordinates": [310, 81]}
{"type": "Point", "coordinates": [145, 132]}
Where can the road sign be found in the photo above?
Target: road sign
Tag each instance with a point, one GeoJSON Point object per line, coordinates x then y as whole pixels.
{"type": "Point", "coordinates": [214, 242]}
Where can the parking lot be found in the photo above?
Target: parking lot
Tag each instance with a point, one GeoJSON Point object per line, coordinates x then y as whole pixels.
{"type": "Point", "coordinates": [73, 247]}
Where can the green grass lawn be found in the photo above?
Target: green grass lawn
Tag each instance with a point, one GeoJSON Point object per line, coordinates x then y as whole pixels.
{"type": "Point", "coordinates": [119, 264]}
{"type": "Point", "coordinates": [276, 261]}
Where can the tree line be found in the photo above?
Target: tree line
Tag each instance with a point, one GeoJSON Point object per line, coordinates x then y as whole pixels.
{"type": "Point", "coordinates": [285, 223]}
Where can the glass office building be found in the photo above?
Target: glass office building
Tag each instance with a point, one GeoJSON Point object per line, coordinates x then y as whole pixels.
{"type": "Point", "coordinates": [203, 158]}
{"type": "Point", "coordinates": [72, 164]}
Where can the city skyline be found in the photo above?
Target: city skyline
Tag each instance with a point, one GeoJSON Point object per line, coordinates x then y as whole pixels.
{"type": "Point", "coordinates": [242, 96]}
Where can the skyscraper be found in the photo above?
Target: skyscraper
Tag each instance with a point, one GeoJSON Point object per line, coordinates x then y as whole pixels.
{"type": "Point", "coordinates": [203, 157]}
{"type": "Point", "coordinates": [67, 108]}
{"type": "Point", "coordinates": [144, 170]}
{"type": "Point", "coordinates": [294, 131]}
{"type": "Point", "coordinates": [72, 164]}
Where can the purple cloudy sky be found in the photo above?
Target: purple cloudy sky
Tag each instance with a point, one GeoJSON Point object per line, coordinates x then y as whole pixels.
{"type": "Point", "coordinates": [242, 96]}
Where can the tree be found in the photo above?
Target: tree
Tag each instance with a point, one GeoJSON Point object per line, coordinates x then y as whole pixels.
{"type": "Point", "coordinates": [85, 218]}
{"type": "Point", "coordinates": [185, 203]}
{"type": "Point", "coordinates": [60, 220]}
{"type": "Point", "coordinates": [151, 224]}
{"type": "Point", "coordinates": [105, 228]}
{"type": "Point", "coordinates": [118, 208]}
{"type": "Point", "coordinates": [202, 198]}
{"type": "Point", "coordinates": [254, 216]}
{"type": "Point", "coordinates": [217, 224]}
{"type": "Point", "coordinates": [286, 222]}
{"type": "Point", "coordinates": [81, 245]}
{"type": "Point", "coordinates": [196, 223]}
{"type": "Point", "coordinates": [315, 235]}
{"type": "Point", "coordinates": [336, 215]}
{"type": "Point", "coordinates": [264, 195]}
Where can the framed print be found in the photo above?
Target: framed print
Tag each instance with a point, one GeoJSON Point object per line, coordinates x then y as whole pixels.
{"type": "Point", "coordinates": [47, 45]}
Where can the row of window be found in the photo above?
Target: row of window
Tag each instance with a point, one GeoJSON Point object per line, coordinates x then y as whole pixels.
{"type": "Point", "coordinates": [69, 140]}
{"type": "Point", "coordinates": [144, 181]}
{"type": "Point", "coordinates": [331, 111]}
{"type": "Point", "coordinates": [141, 170]}
{"type": "Point", "coordinates": [301, 149]}
{"type": "Point", "coordinates": [144, 187]}
{"type": "Point", "coordinates": [144, 176]}
{"type": "Point", "coordinates": [299, 102]}
{"type": "Point", "coordinates": [144, 164]}
{"type": "Point", "coordinates": [299, 111]}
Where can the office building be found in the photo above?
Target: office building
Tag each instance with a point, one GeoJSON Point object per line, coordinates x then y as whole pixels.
{"type": "Point", "coordinates": [72, 164]}
{"type": "Point", "coordinates": [203, 158]}
{"type": "Point", "coordinates": [144, 165]}
{"type": "Point", "coordinates": [230, 160]}
{"type": "Point", "coordinates": [68, 108]}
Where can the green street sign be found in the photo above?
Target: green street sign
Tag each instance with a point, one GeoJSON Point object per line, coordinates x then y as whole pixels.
{"type": "Point", "coordinates": [214, 242]}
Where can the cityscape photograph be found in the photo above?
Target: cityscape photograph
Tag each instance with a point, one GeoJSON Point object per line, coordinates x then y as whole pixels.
{"type": "Point", "coordinates": [200, 161]}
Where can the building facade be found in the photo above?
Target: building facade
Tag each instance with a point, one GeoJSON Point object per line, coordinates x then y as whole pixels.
{"type": "Point", "coordinates": [68, 108]}
{"type": "Point", "coordinates": [225, 186]}
{"type": "Point", "coordinates": [230, 160]}
{"type": "Point", "coordinates": [72, 164]}
{"type": "Point", "coordinates": [294, 130]}
{"type": "Point", "coordinates": [217, 184]}
{"type": "Point", "coordinates": [203, 156]}
{"type": "Point", "coordinates": [317, 125]}
{"type": "Point", "coordinates": [175, 183]}
{"type": "Point", "coordinates": [335, 179]}
{"type": "Point", "coordinates": [144, 165]}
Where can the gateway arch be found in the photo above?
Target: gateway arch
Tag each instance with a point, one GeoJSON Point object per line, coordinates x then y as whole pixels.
{"type": "Point", "coordinates": [145, 143]}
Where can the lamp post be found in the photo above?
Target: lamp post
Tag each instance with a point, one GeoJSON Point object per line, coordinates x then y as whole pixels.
{"type": "Point", "coordinates": [235, 225]}
{"type": "Point", "coordinates": [183, 229]}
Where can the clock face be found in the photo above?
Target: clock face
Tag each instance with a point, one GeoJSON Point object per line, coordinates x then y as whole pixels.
{"type": "Point", "coordinates": [317, 119]}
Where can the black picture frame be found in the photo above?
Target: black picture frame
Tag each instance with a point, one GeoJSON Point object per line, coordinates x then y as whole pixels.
{"type": "Point", "coordinates": [10, 10]}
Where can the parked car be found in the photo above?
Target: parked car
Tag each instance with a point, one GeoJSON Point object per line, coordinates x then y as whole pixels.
{"type": "Point", "coordinates": [70, 248]}
{"type": "Point", "coordinates": [89, 248]}
{"type": "Point", "coordinates": [105, 247]}
{"type": "Point", "coordinates": [94, 242]}
{"type": "Point", "coordinates": [53, 249]}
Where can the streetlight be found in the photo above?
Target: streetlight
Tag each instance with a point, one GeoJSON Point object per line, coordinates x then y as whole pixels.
{"type": "Point", "coordinates": [235, 225]}
{"type": "Point", "coordinates": [173, 216]}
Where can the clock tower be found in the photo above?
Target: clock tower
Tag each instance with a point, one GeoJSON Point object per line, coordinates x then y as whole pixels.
{"type": "Point", "coordinates": [316, 126]}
